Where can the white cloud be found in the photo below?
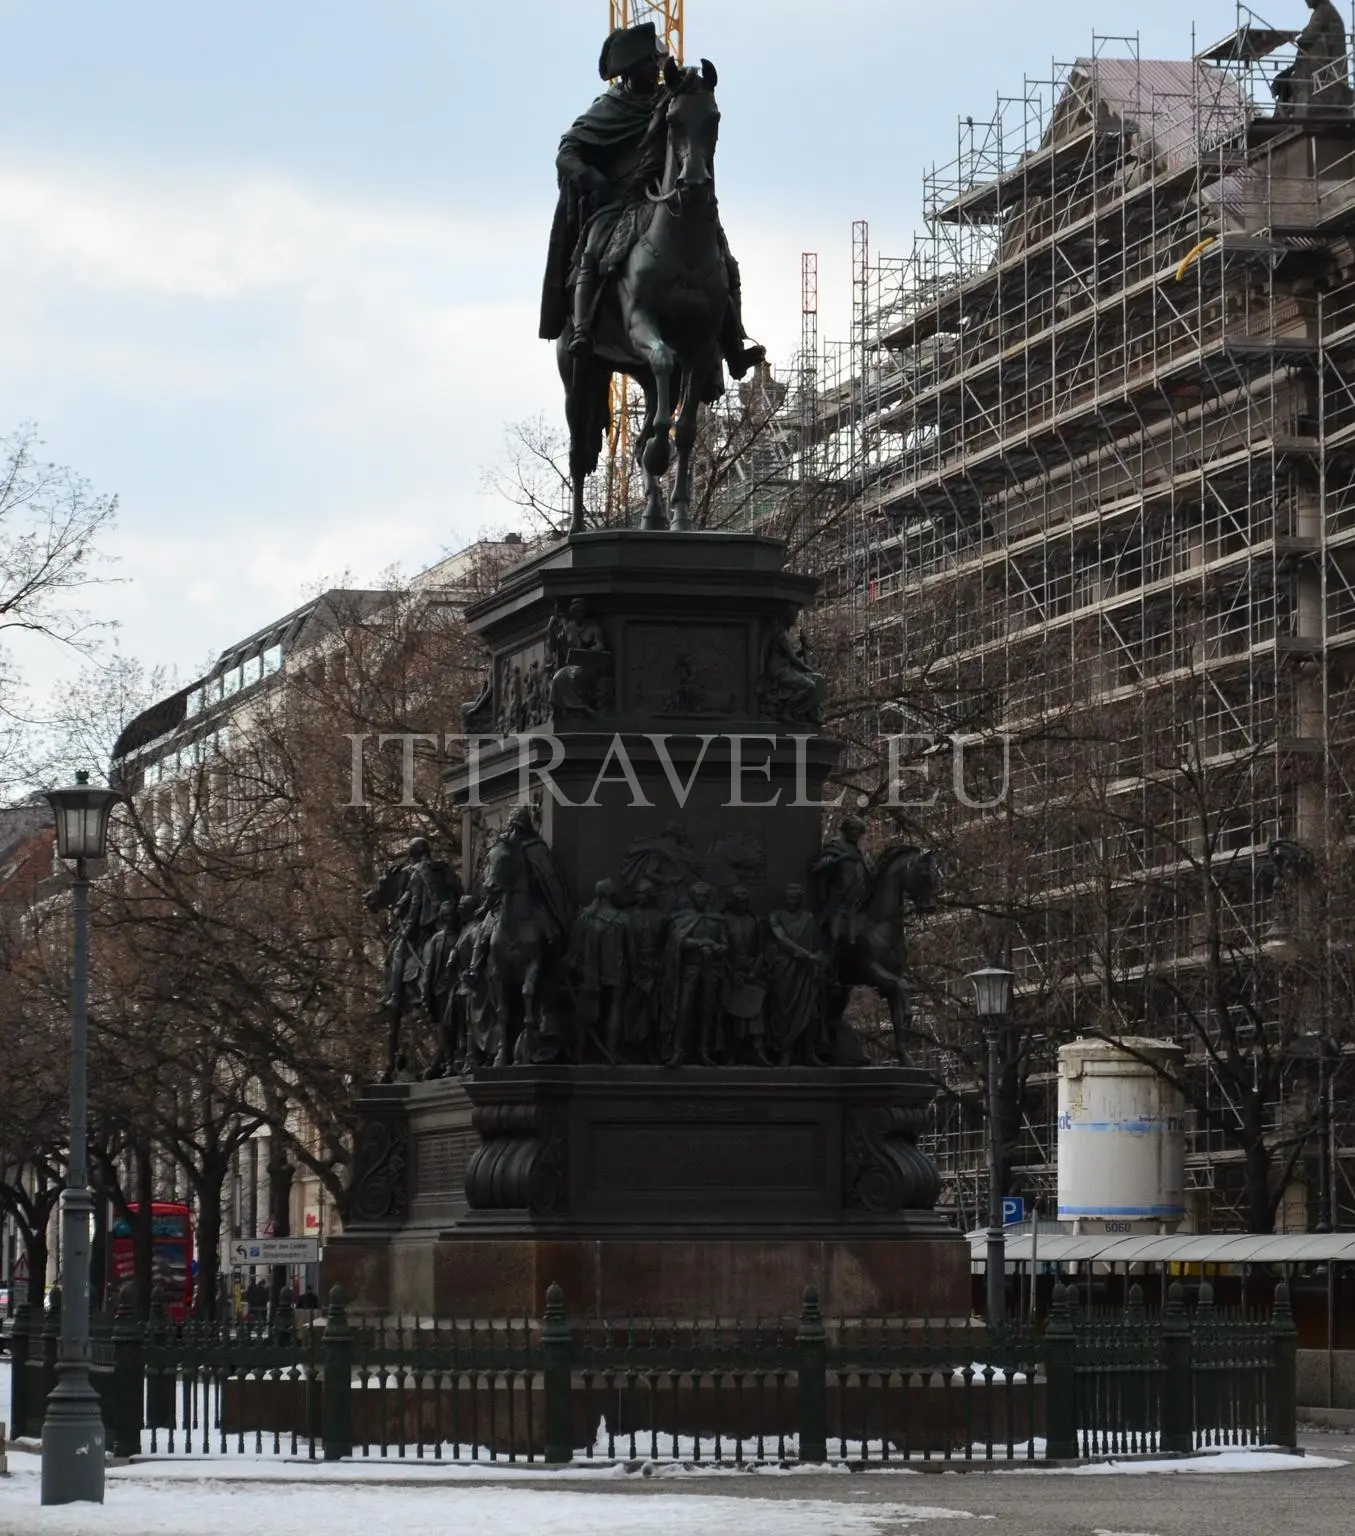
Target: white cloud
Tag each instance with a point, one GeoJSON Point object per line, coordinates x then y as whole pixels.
{"type": "Point", "coordinates": [284, 386]}
{"type": "Point", "coordinates": [223, 239]}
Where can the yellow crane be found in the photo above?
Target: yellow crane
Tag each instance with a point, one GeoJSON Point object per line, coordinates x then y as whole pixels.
{"type": "Point", "coordinates": [625, 398]}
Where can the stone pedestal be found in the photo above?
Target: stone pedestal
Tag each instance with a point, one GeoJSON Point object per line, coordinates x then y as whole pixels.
{"type": "Point", "coordinates": [647, 1192]}
{"type": "Point", "coordinates": [677, 697]}
{"type": "Point", "coordinates": [656, 678]}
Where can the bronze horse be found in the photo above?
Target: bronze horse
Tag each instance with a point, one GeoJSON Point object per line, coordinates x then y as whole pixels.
{"type": "Point", "coordinates": [660, 321]}
{"type": "Point", "coordinates": [876, 957]}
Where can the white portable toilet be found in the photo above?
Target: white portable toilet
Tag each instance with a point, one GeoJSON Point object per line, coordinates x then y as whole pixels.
{"type": "Point", "coordinates": [1121, 1137]}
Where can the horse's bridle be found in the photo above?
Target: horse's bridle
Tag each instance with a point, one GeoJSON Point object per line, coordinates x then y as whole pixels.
{"type": "Point", "coordinates": [668, 197]}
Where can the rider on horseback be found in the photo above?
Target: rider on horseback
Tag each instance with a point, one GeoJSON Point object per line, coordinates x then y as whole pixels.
{"type": "Point", "coordinates": [844, 873]}
{"type": "Point", "coordinates": [603, 168]}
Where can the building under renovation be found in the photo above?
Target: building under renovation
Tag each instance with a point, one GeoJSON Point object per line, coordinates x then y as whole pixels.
{"type": "Point", "coordinates": [1097, 431]}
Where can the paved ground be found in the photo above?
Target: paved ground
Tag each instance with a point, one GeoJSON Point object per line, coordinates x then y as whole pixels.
{"type": "Point", "coordinates": [1312, 1502]}
{"type": "Point", "coordinates": [287, 1499]}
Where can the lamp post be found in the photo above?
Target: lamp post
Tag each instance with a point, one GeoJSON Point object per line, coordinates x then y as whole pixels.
{"type": "Point", "coordinates": [73, 1432]}
{"type": "Point", "coordinates": [1325, 1213]}
{"type": "Point", "coordinates": [992, 1000]}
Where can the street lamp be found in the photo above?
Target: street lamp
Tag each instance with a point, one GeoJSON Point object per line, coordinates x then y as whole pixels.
{"type": "Point", "coordinates": [1326, 1214]}
{"type": "Point", "coordinates": [992, 1002]}
{"type": "Point", "coordinates": [73, 1431]}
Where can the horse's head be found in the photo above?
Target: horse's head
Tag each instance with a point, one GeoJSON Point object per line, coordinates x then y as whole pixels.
{"type": "Point", "coordinates": [903, 869]}
{"type": "Point", "coordinates": [504, 868]}
{"type": "Point", "coordinates": [692, 118]}
{"type": "Point", "coordinates": [922, 879]}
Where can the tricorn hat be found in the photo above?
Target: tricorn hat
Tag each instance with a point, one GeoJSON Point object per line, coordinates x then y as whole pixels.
{"type": "Point", "coordinates": [628, 47]}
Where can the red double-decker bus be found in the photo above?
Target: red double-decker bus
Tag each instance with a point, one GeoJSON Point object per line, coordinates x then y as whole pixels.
{"type": "Point", "coordinates": [171, 1255]}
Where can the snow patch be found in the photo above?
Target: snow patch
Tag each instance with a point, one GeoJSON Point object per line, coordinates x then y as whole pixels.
{"type": "Point", "coordinates": [150, 1505]}
{"type": "Point", "coordinates": [1223, 1461]}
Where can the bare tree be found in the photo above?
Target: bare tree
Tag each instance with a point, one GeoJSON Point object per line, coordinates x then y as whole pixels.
{"type": "Point", "coordinates": [50, 523]}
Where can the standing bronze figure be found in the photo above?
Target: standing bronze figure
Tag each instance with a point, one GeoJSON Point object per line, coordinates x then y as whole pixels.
{"type": "Point", "coordinates": [746, 992]}
{"type": "Point", "coordinates": [523, 934]}
{"type": "Point", "coordinates": [795, 969]}
{"type": "Point", "coordinates": [644, 960]}
{"type": "Point", "coordinates": [412, 890]}
{"type": "Point", "coordinates": [438, 988]}
{"type": "Point", "coordinates": [639, 277]}
{"type": "Point", "coordinates": [693, 980]}
{"type": "Point", "coordinates": [598, 960]}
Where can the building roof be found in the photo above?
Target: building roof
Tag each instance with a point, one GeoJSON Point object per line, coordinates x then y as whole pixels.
{"type": "Point", "coordinates": [162, 717]}
{"type": "Point", "coordinates": [26, 838]}
{"type": "Point", "coordinates": [306, 625]}
{"type": "Point", "coordinates": [1113, 113]}
{"type": "Point", "coordinates": [1171, 104]}
{"type": "Point", "coordinates": [303, 626]}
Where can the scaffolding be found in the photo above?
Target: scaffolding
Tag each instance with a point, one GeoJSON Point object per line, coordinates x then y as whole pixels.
{"type": "Point", "coordinates": [1098, 434]}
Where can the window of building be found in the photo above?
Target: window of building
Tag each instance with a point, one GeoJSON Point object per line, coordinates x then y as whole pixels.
{"type": "Point", "coordinates": [272, 660]}
{"type": "Point", "coordinates": [194, 704]}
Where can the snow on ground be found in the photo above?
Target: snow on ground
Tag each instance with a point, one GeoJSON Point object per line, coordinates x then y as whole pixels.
{"type": "Point", "coordinates": [147, 1504]}
{"type": "Point", "coordinates": [1223, 1461]}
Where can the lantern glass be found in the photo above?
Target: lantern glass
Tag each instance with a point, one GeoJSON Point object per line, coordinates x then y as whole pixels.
{"type": "Point", "coordinates": [81, 816]}
{"type": "Point", "coordinates": [992, 991]}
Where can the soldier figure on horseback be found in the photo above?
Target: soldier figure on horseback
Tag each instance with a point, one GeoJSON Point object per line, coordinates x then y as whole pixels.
{"type": "Point", "coordinates": [844, 871]}
{"type": "Point", "coordinates": [605, 163]}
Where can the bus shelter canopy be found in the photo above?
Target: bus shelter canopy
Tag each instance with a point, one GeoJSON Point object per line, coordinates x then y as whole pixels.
{"type": "Point", "coordinates": [1056, 1247]}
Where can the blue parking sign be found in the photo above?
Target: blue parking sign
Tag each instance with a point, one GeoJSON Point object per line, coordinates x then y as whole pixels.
{"type": "Point", "coordinates": [1013, 1209]}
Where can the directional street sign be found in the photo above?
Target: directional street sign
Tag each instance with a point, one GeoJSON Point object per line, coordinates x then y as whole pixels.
{"type": "Point", "coordinates": [1013, 1209]}
{"type": "Point", "coordinates": [274, 1250]}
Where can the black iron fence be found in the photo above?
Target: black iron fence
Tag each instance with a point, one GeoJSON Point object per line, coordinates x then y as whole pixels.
{"type": "Point", "coordinates": [808, 1389]}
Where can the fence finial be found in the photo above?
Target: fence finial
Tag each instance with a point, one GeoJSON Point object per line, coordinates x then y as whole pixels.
{"type": "Point", "coordinates": [555, 1303]}
{"type": "Point", "coordinates": [1058, 1303]}
{"type": "Point", "coordinates": [126, 1307]}
{"type": "Point", "coordinates": [1281, 1311]}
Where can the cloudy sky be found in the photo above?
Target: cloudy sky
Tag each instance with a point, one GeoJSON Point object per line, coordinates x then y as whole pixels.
{"type": "Point", "coordinates": [269, 269]}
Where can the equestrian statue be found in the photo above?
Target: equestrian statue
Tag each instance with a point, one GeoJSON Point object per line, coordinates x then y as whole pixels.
{"type": "Point", "coordinates": [862, 903]}
{"type": "Point", "coordinates": [639, 278]}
